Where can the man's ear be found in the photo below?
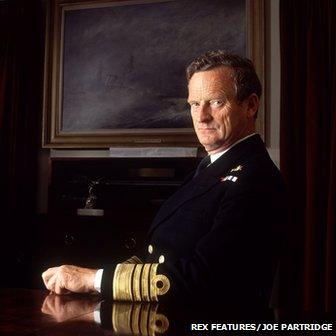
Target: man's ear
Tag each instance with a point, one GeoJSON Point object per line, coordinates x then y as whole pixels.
{"type": "Point", "coordinates": [252, 105]}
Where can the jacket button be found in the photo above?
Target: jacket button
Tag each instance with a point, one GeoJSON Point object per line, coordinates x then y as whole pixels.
{"type": "Point", "coordinates": [161, 259]}
{"type": "Point", "coordinates": [150, 249]}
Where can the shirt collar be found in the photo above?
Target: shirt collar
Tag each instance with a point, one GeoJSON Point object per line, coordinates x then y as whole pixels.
{"type": "Point", "coordinates": [214, 157]}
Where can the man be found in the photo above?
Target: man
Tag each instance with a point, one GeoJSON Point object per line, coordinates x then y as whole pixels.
{"type": "Point", "coordinates": [217, 238]}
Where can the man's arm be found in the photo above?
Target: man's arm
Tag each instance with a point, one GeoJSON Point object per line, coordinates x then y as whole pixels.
{"type": "Point", "coordinates": [130, 281]}
{"type": "Point", "coordinates": [236, 253]}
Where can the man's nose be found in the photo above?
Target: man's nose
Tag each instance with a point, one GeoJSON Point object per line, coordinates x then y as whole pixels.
{"type": "Point", "coordinates": [204, 114]}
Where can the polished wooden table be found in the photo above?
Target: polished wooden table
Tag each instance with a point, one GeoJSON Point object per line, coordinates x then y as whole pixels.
{"type": "Point", "coordinates": [29, 312]}
{"type": "Point", "coordinates": [36, 312]}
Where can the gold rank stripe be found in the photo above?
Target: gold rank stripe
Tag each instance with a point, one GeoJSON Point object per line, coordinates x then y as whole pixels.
{"type": "Point", "coordinates": [115, 283]}
{"type": "Point", "coordinates": [145, 283]}
{"type": "Point", "coordinates": [133, 260]}
{"type": "Point", "coordinates": [122, 282]}
{"type": "Point", "coordinates": [138, 282]}
{"type": "Point", "coordinates": [152, 283]}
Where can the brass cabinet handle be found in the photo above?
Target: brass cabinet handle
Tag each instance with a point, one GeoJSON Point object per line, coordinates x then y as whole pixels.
{"type": "Point", "coordinates": [130, 243]}
{"type": "Point", "coordinates": [69, 239]}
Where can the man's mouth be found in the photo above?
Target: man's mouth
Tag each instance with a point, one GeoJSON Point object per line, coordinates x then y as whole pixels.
{"type": "Point", "coordinates": [206, 129]}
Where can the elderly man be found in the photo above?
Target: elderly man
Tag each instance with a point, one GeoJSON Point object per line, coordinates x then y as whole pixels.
{"type": "Point", "coordinates": [217, 238]}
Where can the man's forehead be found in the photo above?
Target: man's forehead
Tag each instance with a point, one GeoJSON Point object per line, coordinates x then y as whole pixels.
{"type": "Point", "coordinates": [217, 80]}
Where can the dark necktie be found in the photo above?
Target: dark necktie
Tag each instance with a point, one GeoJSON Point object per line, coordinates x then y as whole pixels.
{"type": "Point", "coordinates": [203, 164]}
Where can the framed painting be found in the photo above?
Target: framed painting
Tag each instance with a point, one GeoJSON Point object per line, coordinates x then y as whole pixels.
{"type": "Point", "coordinates": [115, 70]}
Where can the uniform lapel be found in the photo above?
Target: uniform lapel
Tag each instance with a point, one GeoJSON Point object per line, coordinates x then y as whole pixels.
{"type": "Point", "coordinates": [209, 177]}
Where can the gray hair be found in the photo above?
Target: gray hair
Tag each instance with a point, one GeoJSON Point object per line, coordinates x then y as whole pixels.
{"type": "Point", "coordinates": [245, 78]}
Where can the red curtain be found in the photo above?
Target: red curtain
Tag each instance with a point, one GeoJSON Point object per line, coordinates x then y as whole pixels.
{"type": "Point", "coordinates": [308, 152]}
{"type": "Point", "coordinates": [21, 64]}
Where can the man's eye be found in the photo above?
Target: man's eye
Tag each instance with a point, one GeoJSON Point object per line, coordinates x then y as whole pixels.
{"type": "Point", "coordinates": [216, 103]}
{"type": "Point", "coordinates": [194, 104]}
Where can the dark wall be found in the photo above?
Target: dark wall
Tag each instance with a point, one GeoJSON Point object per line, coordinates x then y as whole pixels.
{"type": "Point", "coordinates": [21, 65]}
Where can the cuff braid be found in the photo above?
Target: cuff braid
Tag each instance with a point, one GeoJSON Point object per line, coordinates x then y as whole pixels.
{"type": "Point", "coordinates": [138, 282]}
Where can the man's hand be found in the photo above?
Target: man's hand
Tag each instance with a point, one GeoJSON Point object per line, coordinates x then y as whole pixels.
{"type": "Point", "coordinates": [68, 278]}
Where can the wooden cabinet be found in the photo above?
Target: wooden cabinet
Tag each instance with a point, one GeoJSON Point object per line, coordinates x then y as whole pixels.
{"type": "Point", "coordinates": [129, 191]}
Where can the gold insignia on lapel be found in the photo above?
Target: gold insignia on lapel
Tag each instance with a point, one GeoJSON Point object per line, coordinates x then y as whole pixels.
{"type": "Point", "coordinates": [240, 167]}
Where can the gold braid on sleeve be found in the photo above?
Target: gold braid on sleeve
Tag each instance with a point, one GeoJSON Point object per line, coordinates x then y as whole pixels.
{"type": "Point", "coordinates": [133, 260]}
{"type": "Point", "coordinates": [139, 282]}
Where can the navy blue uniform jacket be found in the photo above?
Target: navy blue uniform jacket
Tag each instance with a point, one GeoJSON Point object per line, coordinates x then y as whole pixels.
{"type": "Point", "coordinates": [220, 232]}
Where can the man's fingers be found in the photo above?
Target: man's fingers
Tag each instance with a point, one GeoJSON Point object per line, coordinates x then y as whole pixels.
{"type": "Point", "coordinates": [57, 283]}
{"type": "Point", "coordinates": [58, 287]}
{"type": "Point", "coordinates": [61, 286]}
{"type": "Point", "coordinates": [53, 280]}
{"type": "Point", "coordinates": [48, 274]}
{"type": "Point", "coordinates": [50, 284]}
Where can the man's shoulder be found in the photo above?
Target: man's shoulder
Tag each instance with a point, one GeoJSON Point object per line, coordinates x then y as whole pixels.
{"type": "Point", "coordinates": [255, 173]}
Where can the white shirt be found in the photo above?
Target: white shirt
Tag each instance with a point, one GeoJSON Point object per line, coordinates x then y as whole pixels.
{"type": "Point", "coordinates": [213, 158]}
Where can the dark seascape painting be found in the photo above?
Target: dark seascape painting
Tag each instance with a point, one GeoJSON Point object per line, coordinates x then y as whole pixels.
{"type": "Point", "coordinates": [124, 66]}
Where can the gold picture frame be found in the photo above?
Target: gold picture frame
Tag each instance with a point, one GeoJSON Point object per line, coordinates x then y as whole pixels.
{"type": "Point", "coordinates": [57, 108]}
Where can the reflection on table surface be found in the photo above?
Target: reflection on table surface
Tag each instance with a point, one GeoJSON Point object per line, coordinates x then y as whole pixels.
{"type": "Point", "coordinates": [26, 312]}
{"type": "Point", "coordinates": [37, 312]}
{"type": "Point", "coordinates": [120, 318]}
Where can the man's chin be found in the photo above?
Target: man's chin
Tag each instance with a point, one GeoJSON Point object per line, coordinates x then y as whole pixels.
{"type": "Point", "coordinates": [211, 148]}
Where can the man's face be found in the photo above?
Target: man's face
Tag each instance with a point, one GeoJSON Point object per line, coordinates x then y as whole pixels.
{"type": "Point", "coordinates": [219, 119]}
